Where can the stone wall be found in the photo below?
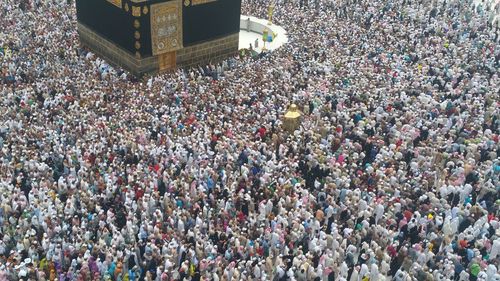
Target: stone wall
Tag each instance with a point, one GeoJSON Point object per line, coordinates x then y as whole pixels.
{"type": "Point", "coordinates": [206, 52]}
{"type": "Point", "coordinates": [116, 55]}
{"type": "Point", "coordinates": [199, 54]}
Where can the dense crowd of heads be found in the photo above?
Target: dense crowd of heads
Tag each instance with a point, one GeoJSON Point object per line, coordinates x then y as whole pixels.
{"type": "Point", "coordinates": [393, 173]}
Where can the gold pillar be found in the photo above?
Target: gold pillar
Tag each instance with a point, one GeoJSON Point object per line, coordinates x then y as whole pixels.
{"type": "Point", "coordinates": [270, 12]}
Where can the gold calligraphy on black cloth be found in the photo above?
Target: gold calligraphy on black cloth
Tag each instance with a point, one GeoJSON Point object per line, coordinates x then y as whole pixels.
{"type": "Point", "coordinates": [166, 27]}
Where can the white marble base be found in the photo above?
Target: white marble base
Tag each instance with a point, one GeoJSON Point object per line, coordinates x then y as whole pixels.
{"type": "Point", "coordinates": [256, 27]}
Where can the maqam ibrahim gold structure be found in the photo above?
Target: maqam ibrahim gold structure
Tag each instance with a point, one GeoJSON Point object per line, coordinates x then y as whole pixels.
{"type": "Point", "coordinates": [292, 119]}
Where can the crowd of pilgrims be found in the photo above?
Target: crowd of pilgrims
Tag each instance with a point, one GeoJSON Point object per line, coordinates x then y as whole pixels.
{"type": "Point", "coordinates": [393, 173]}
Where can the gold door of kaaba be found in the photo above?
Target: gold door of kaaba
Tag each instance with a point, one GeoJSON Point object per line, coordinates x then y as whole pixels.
{"type": "Point", "coordinates": [167, 61]}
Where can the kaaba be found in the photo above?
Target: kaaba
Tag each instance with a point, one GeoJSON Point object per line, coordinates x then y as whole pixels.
{"type": "Point", "coordinates": [148, 36]}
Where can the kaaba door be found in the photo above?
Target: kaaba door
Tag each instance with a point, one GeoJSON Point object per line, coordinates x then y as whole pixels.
{"type": "Point", "coordinates": [167, 61]}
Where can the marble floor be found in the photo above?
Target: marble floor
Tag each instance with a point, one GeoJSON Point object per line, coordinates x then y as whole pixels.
{"type": "Point", "coordinates": [247, 38]}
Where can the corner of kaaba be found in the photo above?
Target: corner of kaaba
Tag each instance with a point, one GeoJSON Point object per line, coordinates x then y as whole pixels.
{"type": "Point", "coordinates": [148, 36]}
